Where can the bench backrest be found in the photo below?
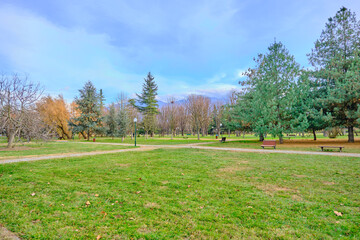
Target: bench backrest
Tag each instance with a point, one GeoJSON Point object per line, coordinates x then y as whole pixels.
{"type": "Point", "coordinates": [224, 138]}
{"type": "Point", "coordinates": [269, 142]}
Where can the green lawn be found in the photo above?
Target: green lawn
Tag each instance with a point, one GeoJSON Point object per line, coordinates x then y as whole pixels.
{"type": "Point", "coordinates": [151, 141]}
{"type": "Point", "coordinates": [183, 193]}
{"type": "Point", "coordinates": [44, 148]}
{"type": "Point", "coordinates": [296, 144]}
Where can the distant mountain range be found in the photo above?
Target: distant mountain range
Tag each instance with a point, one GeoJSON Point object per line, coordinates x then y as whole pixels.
{"type": "Point", "coordinates": [213, 100]}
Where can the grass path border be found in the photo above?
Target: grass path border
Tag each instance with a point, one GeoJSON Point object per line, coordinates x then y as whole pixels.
{"type": "Point", "coordinates": [7, 235]}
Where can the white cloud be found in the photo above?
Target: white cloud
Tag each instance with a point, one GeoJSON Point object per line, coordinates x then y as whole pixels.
{"type": "Point", "coordinates": [60, 57]}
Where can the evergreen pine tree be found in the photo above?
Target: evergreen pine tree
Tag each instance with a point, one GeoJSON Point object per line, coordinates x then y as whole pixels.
{"type": "Point", "coordinates": [148, 104]}
{"type": "Point", "coordinates": [271, 92]}
{"type": "Point", "coordinates": [309, 105]}
{"type": "Point", "coordinates": [111, 122]}
{"type": "Point", "coordinates": [88, 104]}
{"type": "Point", "coordinates": [336, 61]}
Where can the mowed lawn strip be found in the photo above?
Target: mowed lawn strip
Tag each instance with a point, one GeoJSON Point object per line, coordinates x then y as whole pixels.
{"type": "Point", "coordinates": [294, 144]}
{"type": "Point", "coordinates": [183, 193]}
{"type": "Point", "coordinates": [46, 148]}
{"type": "Point", "coordinates": [152, 141]}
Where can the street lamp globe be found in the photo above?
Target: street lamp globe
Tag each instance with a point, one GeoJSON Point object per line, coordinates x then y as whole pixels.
{"type": "Point", "coordinates": [135, 120]}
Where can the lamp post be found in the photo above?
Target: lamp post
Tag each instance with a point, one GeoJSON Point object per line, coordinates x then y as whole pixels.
{"type": "Point", "coordinates": [135, 120]}
{"type": "Point", "coordinates": [220, 128]}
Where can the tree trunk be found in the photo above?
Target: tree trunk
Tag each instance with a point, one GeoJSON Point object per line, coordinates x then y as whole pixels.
{"type": "Point", "coordinates": [182, 132]}
{"type": "Point", "coordinates": [281, 140]}
{"type": "Point", "coordinates": [229, 132]}
{"type": "Point", "coordinates": [88, 135]}
{"type": "Point", "coordinates": [314, 133]}
{"type": "Point", "coordinates": [172, 135]}
{"type": "Point", "coordinates": [122, 139]}
{"type": "Point", "coordinates": [261, 137]}
{"type": "Point", "coordinates": [351, 134]}
{"type": "Point", "coordinates": [198, 134]}
{"type": "Point", "coordinates": [244, 134]}
{"type": "Point", "coordinates": [11, 137]}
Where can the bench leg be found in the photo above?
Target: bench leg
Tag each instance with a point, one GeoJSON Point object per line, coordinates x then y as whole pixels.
{"type": "Point", "coordinates": [262, 147]}
{"type": "Point", "coordinates": [322, 149]}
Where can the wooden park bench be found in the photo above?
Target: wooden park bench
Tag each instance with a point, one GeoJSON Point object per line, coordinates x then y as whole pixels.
{"type": "Point", "coordinates": [289, 136]}
{"type": "Point", "coordinates": [269, 143]}
{"type": "Point", "coordinates": [339, 147]}
{"type": "Point", "coordinates": [223, 139]}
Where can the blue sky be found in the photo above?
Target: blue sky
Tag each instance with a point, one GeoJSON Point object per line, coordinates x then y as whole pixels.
{"type": "Point", "coordinates": [189, 46]}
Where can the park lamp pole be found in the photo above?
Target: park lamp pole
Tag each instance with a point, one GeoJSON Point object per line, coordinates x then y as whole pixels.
{"type": "Point", "coordinates": [135, 120]}
{"type": "Point", "coordinates": [220, 128]}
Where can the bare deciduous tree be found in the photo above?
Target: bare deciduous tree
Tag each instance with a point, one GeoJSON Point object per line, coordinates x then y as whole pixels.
{"type": "Point", "coordinates": [172, 116]}
{"type": "Point", "coordinates": [17, 101]}
{"type": "Point", "coordinates": [217, 115]}
{"type": "Point", "coordinates": [183, 118]}
{"type": "Point", "coordinates": [198, 108]}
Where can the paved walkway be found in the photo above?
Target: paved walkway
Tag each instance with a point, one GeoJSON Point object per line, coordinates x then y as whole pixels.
{"type": "Point", "coordinates": [189, 146]}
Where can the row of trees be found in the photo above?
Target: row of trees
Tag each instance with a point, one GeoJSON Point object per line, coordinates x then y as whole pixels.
{"type": "Point", "coordinates": [194, 115]}
{"type": "Point", "coordinates": [279, 97]}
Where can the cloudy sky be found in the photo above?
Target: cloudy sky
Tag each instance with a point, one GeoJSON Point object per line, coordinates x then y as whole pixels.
{"type": "Point", "coordinates": [189, 46]}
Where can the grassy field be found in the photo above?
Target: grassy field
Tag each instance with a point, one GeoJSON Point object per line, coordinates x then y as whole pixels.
{"type": "Point", "coordinates": [183, 193]}
{"type": "Point", "coordinates": [295, 144]}
{"type": "Point", "coordinates": [151, 141]}
{"type": "Point", "coordinates": [44, 148]}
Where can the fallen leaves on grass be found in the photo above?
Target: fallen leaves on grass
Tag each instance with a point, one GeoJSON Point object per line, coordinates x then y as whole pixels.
{"type": "Point", "coordinates": [33, 194]}
{"type": "Point", "coordinates": [96, 195]}
{"type": "Point", "coordinates": [98, 237]}
{"type": "Point", "coordinates": [103, 213]}
{"type": "Point", "coordinates": [35, 221]}
{"type": "Point", "coordinates": [87, 203]}
{"type": "Point", "coordinates": [339, 214]}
